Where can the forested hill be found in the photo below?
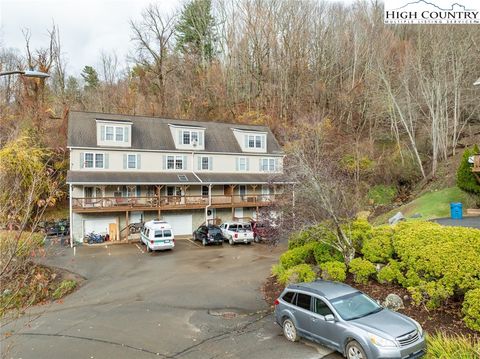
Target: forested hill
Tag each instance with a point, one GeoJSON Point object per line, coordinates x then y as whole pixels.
{"type": "Point", "coordinates": [386, 103]}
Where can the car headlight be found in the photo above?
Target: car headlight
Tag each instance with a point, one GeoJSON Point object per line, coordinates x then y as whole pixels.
{"type": "Point", "coordinates": [419, 327]}
{"type": "Point", "coordinates": [381, 342]}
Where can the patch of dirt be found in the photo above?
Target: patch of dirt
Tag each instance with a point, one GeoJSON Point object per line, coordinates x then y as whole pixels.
{"type": "Point", "coordinates": [446, 319]}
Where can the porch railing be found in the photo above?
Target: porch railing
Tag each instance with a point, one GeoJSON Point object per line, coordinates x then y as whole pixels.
{"type": "Point", "coordinates": [170, 201]}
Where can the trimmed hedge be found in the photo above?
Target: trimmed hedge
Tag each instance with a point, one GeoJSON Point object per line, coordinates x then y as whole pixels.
{"type": "Point", "coordinates": [296, 274]}
{"type": "Point", "coordinates": [378, 247]}
{"type": "Point", "coordinates": [361, 269]}
{"type": "Point", "coordinates": [471, 309]}
{"type": "Point", "coordinates": [334, 270]}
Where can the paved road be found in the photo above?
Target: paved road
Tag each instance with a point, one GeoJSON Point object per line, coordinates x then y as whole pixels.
{"type": "Point", "coordinates": [472, 222]}
{"type": "Point", "coordinates": [192, 302]}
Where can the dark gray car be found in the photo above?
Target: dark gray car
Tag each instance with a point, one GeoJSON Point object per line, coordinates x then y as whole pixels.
{"type": "Point", "coordinates": [346, 320]}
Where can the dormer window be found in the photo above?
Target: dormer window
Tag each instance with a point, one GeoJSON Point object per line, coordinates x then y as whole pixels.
{"type": "Point", "coordinates": [114, 133]}
{"type": "Point", "coordinates": [190, 137]}
{"type": "Point", "coordinates": [254, 141]}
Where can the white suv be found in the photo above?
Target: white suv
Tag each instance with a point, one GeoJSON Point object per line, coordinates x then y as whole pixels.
{"type": "Point", "coordinates": [237, 232]}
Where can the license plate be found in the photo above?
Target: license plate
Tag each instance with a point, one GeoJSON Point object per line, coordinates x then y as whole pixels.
{"type": "Point", "coordinates": [168, 241]}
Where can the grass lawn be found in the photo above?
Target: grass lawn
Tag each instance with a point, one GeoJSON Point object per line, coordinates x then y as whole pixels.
{"type": "Point", "coordinates": [435, 204]}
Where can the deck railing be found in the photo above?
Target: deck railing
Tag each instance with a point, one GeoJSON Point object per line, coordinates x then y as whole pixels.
{"type": "Point", "coordinates": [170, 201]}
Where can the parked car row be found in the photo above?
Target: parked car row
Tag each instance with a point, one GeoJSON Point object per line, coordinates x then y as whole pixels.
{"type": "Point", "coordinates": [158, 235]}
{"type": "Point", "coordinates": [231, 232]}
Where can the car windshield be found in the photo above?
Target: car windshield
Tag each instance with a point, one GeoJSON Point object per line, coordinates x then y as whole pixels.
{"type": "Point", "coordinates": [355, 305]}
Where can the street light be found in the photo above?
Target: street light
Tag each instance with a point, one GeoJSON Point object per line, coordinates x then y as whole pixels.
{"type": "Point", "coordinates": [26, 73]}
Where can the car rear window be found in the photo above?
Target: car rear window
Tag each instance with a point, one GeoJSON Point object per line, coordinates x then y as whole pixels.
{"type": "Point", "coordinates": [287, 297]}
{"type": "Point", "coordinates": [158, 234]}
{"type": "Point", "coordinates": [167, 233]}
{"type": "Point", "coordinates": [233, 227]}
{"type": "Point", "coordinates": [214, 231]}
{"type": "Point", "coordinates": [247, 227]}
{"type": "Point", "coordinates": [303, 301]}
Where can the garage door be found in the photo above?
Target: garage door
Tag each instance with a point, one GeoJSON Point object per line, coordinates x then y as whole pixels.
{"type": "Point", "coordinates": [181, 223]}
{"type": "Point", "coordinates": [98, 225]}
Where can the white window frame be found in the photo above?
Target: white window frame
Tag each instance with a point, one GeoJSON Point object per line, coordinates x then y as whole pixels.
{"type": "Point", "coordinates": [268, 165]}
{"type": "Point", "coordinates": [254, 141]}
{"type": "Point", "coordinates": [119, 133]}
{"type": "Point", "coordinates": [134, 161]}
{"type": "Point", "coordinates": [176, 160]}
{"type": "Point", "coordinates": [94, 159]}
{"type": "Point", "coordinates": [244, 160]}
{"type": "Point", "coordinates": [203, 163]}
{"type": "Point", "coordinates": [186, 135]}
{"type": "Point", "coordinates": [109, 133]}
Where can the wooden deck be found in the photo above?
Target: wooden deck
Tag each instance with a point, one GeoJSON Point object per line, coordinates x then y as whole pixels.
{"type": "Point", "coordinates": [166, 203]}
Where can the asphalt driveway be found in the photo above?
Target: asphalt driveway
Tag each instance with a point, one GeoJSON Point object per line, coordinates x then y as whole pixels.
{"type": "Point", "coordinates": [192, 302]}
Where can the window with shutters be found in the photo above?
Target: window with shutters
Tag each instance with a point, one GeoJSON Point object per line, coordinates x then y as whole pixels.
{"type": "Point", "coordinates": [175, 162]}
{"type": "Point", "coordinates": [242, 164]}
{"type": "Point", "coordinates": [132, 161]}
{"type": "Point", "coordinates": [255, 141]}
{"type": "Point", "coordinates": [267, 165]}
{"type": "Point", "coordinates": [93, 160]}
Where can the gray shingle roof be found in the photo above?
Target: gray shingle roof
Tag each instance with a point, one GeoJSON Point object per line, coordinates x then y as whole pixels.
{"type": "Point", "coordinates": [110, 177]}
{"type": "Point", "coordinates": [153, 133]}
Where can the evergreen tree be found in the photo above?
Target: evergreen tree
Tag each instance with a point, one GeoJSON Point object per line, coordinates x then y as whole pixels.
{"type": "Point", "coordinates": [195, 30]}
{"type": "Point", "coordinates": [90, 76]}
{"type": "Point", "coordinates": [466, 179]}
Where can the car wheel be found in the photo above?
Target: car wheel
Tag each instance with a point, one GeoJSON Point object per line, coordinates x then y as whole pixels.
{"type": "Point", "coordinates": [204, 242]}
{"type": "Point", "coordinates": [230, 241]}
{"type": "Point", "coordinates": [355, 351]}
{"type": "Point", "coordinates": [290, 331]}
{"type": "Point", "coordinates": [248, 243]}
{"type": "Point", "coordinates": [256, 239]}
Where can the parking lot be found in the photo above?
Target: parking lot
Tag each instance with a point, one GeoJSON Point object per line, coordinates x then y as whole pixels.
{"type": "Point", "coordinates": [192, 302]}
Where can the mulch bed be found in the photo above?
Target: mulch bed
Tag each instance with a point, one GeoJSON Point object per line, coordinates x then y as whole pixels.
{"type": "Point", "coordinates": [446, 319]}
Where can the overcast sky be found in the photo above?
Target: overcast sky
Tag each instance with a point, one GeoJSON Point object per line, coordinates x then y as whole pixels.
{"type": "Point", "coordinates": [86, 26]}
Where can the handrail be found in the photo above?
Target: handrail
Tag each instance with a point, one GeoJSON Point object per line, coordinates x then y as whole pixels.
{"type": "Point", "coordinates": [166, 201]}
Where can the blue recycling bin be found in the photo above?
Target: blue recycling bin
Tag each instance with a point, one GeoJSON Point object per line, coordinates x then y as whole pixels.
{"type": "Point", "coordinates": [456, 210]}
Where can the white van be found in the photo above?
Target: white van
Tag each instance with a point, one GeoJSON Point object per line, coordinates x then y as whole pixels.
{"type": "Point", "coordinates": [157, 235]}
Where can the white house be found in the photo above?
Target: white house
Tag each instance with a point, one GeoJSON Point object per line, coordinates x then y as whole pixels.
{"type": "Point", "coordinates": [126, 169]}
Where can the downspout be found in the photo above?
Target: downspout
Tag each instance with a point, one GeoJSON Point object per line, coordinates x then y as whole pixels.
{"type": "Point", "coordinates": [70, 213]}
{"type": "Point", "coordinates": [209, 203]}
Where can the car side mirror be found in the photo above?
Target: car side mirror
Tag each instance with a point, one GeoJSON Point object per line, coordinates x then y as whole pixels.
{"type": "Point", "coordinates": [329, 318]}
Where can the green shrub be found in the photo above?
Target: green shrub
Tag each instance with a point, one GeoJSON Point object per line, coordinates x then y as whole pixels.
{"type": "Point", "coordinates": [325, 253]}
{"type": "Point", "coordinates": [358, 231]}
{"type": "Point", "coordinates": [442, 346]}
{"type": "Point", "coordinates": [334, 270]}
{"type": "Point", "coordinates": [297, 274]}
{"type": "Point", "coordinates": [471, 309]}
{"type": "Point", "coordinates": [361, 269]}
{"type": "Point", "coordinates": [66, 287]}
{"type": "Point", "coordinates": [381, 194]}
{"type": "Point", "coordinates": [466, 180]}
{"type": "Point", "coordinates": [298, 255]}
{"type": "Point", "coordinates": [317, 233]}
{"type": "Point", "coordinates": [392, 272]}
{"type": "Point", "coordinates": [378, 248]}
{"type": "Point", "coordinates": [439, 261]}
